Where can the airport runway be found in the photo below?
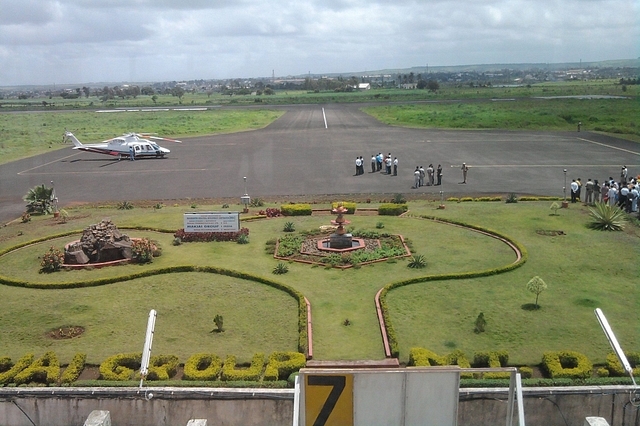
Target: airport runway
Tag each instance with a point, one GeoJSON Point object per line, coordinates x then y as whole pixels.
{"type": "Point", "coordinates": [298, 155]}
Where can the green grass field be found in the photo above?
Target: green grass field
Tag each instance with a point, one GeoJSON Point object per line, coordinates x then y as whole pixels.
{"type": "Point", "coordinates": [26, 134]}
{"type": "Point", "coordinates": [584, 269]}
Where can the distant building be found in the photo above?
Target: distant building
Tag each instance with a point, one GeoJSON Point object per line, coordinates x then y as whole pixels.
{"type": "Point", "coordinates": [364, 86]}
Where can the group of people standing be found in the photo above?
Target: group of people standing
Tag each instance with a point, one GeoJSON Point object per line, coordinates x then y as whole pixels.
{"type": "Point", "coordinates": [427, 177]}
{"type": "Point", "coordinates": [623, 193]}
{"type": "Point", "coordinates": [377, 162]}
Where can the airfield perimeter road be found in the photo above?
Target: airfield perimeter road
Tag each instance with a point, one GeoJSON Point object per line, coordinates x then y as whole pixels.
{"type": "Point", "coordinates": [296, 155]}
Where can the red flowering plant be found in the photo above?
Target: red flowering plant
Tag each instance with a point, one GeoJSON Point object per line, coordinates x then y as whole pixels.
{"type": "Point", "coordinates": [188, 237]}
{"type": "Point", "coordinates": [142, 250]}
{"type": "Point", "coordinates": [52, 260]}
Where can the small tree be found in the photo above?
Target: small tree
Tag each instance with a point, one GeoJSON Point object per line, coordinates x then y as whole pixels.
{"type": "Point", "coordinates": [219, 321]}
{"type": "Point", "coordinates": [481, 323]}
{"type": "Point", "coordinates": [536, 285]}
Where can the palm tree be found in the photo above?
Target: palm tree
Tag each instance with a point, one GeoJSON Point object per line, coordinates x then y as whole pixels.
{"type": "Point", "coordinates": [39, 200]}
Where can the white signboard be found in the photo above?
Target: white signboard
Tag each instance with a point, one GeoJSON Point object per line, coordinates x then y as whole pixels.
{"type": "Point", "coordinates": [212, 222]}
{"type": "Point", "coordinates": [366, 397]}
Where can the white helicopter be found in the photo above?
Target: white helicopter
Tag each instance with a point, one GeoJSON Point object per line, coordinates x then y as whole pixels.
{"type": "Point", "coordinates": [129, 145]}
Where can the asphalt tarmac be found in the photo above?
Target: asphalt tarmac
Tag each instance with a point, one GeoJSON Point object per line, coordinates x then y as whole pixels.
{"type": "Point", "coordinates": [297, 155]}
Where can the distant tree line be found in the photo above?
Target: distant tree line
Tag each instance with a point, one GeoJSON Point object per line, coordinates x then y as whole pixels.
{"type": "Point", "coordinates": [629, 81]}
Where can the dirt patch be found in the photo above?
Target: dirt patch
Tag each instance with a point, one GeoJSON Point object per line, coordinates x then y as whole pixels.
{"type": "Point", "coordinates": [67, 332]}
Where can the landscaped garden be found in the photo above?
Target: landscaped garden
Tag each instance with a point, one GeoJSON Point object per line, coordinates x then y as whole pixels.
{"type": "Point", "coordinates": [464, 274]}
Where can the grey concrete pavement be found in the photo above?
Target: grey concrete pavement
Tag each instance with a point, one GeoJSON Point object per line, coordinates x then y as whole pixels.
{"type": "Point", "coordinates": [297, 155]}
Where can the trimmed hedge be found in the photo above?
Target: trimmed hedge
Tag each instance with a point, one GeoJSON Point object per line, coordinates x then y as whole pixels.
{"type": "Point", "coordinates": [282, 364]}
{"type": "Point", "coordinates": [73, 370]}
{"type": "Point", "coordinates": [420, 357]}
{"type": "Point", "coordinates": [120, 367]}
{"type": "Point", "coordinates": [202, 366]}
{"type": "Point", "coordinates": [350, 206]}
{"type": "Point", "coordinates": [205, 237]}
{"type": "Point", "coordinates": [252, 374]}
{"type": "Point", "coordinates": [45, 369]}
{"type": "Point", "coordinates": [296, 209]}
{"type": "Point", "coordinates": [162, 367]}
{"type": "Point", "coordinates": [390, 209]}
{"type": "Point", "coordinates": [614, 367]}
{"type": "Point", "coordinates": [9, 370]}
{"type": "Point", "coordinates": [567, 365]}
{"type": "Point", "coordinates": [493, 359]}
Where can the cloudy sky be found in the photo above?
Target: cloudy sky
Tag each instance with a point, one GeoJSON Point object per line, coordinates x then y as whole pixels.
{"type": "Point", "coordinates": [84, 41]}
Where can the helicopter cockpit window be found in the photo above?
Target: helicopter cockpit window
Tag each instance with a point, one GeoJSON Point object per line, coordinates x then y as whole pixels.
{"type": "Point", "coordinates": [155, 147]}
{"type": "Point", "coordinates": [147, 148]}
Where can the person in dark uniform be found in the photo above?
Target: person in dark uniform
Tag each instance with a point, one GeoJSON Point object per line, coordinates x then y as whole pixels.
{"type": "Point", "coordinates": [439, 174]}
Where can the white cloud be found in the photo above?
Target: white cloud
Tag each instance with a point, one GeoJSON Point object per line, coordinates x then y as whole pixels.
{"type": "Point", "coordinates": [78, 41]}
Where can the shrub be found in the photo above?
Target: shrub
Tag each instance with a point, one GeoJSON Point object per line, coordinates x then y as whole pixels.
{"type": "Point", "coordinates": [73, 370]}
{"type": "Point", "coordinates": [399, 199]}
{"type": "Point", "coordinates": [289, 244]}
{"type": "Point", "coordinates": [282, 364]}
{"type": "Point", "coordinates": [389, 209]}
{"type": "Point", "coordinates": [379, 225]}
{"type": "Point", "coordinates": [253, 373]}
{"type": "Point", "coordinates": [52, 260]}
{"type": "Point", "coordinates": [39, 200]}
{"type": "Point", "coordinates": [350, 206]}
{"type": "Point", "coordinates": [289, 227]}
{"type": "Point", "coordinates": [492, 359]}
{"type": "Point", "coordinates": [202, 366]}
{"type": "Point", "coordinates": [125, 205]}
{"type": "Point", "coordinates": [417, 261]}
{"type": "Point", "coordinates": [26, 217]}
{"type": "Point", "coordinates": [296, 210]}
{"type": "Point", "coordinates": [162, 367]}
{"type": "Point", "coordinates": [188, 237]}
{"type": "Point", "coordinates": [420, 357]}
{"type": "Point", "coordinates": [256, 202]}
{"type": "Point", "coordinates": [481, 323]}
{"type": "Point", "coordinates": [43, 370]}
{"type": "Point", "coordinates": [280, 269]}
{"type": "Point", "coordinates": [566, 364]}
{"type": "Point", "coordinates": [177, 241]}
{"type": "Point", "coordinates": [606, 218]}
{"type": "Point", "coordinates": [120, 367]}
{"type": "Point", "coordinates": [218, 320]}
{"type": "Point", "coordinates": [243, 239]}
{"type": "Point", "coordinates": [225, 206]}
{"type": "Point", "coordinates": [270, 212]}
{"type": "Point", "coordinates": [8, 371]}
{"type": "Point", "coordinates": [142, 250]}
{"type": "Point", "coordinates": [511, 198]}
{"type": "Point", "coordinates": [615, 368]}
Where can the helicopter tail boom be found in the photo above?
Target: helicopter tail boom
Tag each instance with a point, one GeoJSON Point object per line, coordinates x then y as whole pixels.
{"type": "Point", "coordinates": [76, 142]}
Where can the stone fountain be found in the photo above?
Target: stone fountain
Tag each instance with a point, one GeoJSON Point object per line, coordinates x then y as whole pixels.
{"type": "Point", "coordinates": [340, 239]}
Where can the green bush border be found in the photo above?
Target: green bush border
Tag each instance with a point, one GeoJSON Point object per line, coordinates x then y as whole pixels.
{"type": "Point", "coordinates": [516, 246]}
{"type": "Point", "coordinates": [296, 209]}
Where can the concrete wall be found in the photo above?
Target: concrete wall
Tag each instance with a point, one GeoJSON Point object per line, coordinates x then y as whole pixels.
{"type": "Point", "coordinates": [248, 407]}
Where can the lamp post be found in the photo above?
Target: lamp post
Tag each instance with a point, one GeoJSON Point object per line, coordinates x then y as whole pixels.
{"type": "Point", "coordinates": [245, 199]}
{"type": "Point", "coordinates": [564, 190]}
{"type": "Point", "coordinates": [441, 206]}
{"type": "Point", "coordinates": [54, 199]}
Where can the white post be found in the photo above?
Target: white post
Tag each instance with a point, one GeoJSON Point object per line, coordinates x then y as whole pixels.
{"type": "Point", "coordinates": [148, 341]}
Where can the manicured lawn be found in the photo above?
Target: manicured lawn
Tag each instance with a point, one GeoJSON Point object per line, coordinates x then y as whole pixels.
{"type": "Point", "coordinates": [584, 269]}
